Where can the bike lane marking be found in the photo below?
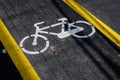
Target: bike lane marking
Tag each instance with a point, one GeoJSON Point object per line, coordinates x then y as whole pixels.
{"type": "Point", "coordinates": [102, 27]}
{"type": "Point", "coordinates": [19, 59]}
{"type": "Point", "coordinates": [62, 34]}
{"type": "Point", "coordinates": [34, 52]}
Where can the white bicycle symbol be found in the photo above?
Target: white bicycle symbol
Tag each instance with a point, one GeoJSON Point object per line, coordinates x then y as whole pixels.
{"type": "Point", "coordinates": [71, 30]}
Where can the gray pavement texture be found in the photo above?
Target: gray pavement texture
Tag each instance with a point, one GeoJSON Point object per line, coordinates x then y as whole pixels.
{"type": "Point", "coordinates": [93, 58]}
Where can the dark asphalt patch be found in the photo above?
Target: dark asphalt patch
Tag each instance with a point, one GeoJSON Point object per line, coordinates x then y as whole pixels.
{"type": "Point", "coordinates": [8, 70]}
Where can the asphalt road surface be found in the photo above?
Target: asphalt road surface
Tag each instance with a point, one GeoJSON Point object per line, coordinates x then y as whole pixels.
{"type": "Point", "coordinates": [68, 58]}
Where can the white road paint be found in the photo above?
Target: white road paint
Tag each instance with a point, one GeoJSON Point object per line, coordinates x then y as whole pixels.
{"type": "Point", "coordinates": [62, 34]}
{"type": "Point", "coordinates": [34, 52]}
{"type": "Point", "coordinates": [80, 29]}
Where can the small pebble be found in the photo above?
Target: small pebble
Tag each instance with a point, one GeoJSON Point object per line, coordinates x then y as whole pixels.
{"type": "Point", "coordinates": [4, 51]}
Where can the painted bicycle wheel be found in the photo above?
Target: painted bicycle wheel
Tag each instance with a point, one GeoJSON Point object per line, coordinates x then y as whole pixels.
{"type": "Point", "coordinates": [41, 46]}
{"type": "Point", "coordinates": [88, 29]}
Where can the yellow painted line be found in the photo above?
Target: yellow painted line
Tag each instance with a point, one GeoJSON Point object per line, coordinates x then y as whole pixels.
{"type": "Point", "coordinates": [21, 62]}
{"type": "Point", "coordinates": [102, 27]}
